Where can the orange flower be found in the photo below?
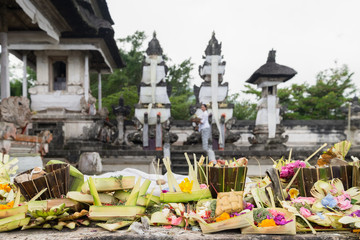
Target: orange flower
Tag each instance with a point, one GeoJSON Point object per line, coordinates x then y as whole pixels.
{"type": "Point", "coordinates": [223, 216]}
{"type": "Point", "coordinates": [267, 223]}
{"type": "Point", "coordinates": [6, 187]}
{"type": "Point", "coordinates": [186, 185]}
{"type": "Point", "coordinates": [7, 206]}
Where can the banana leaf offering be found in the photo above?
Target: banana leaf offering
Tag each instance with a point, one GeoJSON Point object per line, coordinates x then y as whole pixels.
{"type": "Point", "coordinates": [224, 176]}
{"type": "Point", "coordinates": [330, 164]}
{"type": "Point", "coordinates": [307, 177]}
{"type": "Point", "coordinates": [55, 178]}
{"type": "Point", "coordinates": [188, 190]}
{"type": "Point", "coordinates": [271, 221]}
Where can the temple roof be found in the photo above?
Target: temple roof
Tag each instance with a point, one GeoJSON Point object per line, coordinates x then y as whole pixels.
{"type": "Point", "coordinates": [69, 19]}
{"type": "Point", "coordinates": [272, 70]}
{"type": "Point", "coordinates": [81, 16]}
{"type": "Point", "coordinates": [213, 48]}
{"type": "Point", "coordinates": [154, 47]}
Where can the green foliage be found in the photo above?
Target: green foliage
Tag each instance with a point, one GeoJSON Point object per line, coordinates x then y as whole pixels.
{"type": "Point", "coordinates": [323, 100]}
{"type": "Point", "coordinates": [128, 76]}
{"type": "Point", "coordinates": [252, 90]}
{"type": "Point", "coordinates": [180, 106]}
{"type": "Point", "coordinates": [129, 95]}
{"type": "Point", "coordinates": [16, 88]}
{"type": "Point", "coordinates": [179, 77]}
{"type": "Point", "coordinates": [16, 84]}
{"type": "Point", "coordinates": [243, 109]}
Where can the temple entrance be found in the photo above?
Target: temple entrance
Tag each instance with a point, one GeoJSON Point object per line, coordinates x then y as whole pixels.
{"type": "Point", "coordinates": [59, 75]}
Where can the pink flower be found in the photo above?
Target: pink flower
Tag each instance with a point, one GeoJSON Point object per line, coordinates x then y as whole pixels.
{"type": "Point", "coordinates": [249, 206]}
{"type": "Point", "coordinates": [346, 195]}
{"type": "Point", "coordinates": [303, 200]}
{"type": "Point", "coordinates": [343, 205]}
{"type": "Point", "coordinates": [305, 212]}
{"type": "Point", "coordinates": [344, 201]}
{"type": "Point", "coordinates": [176, 221]}
{"type": "Point", "coordinates": [203, 186]}
{"type": "Point", "coordinates": [275, 213]}
{"type": "Point", "coordinates": [333, 190]}
{"type": "Point", "coordinates": [288, 170]}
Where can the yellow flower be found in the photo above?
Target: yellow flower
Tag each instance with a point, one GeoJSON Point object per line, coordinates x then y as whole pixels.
{"type": "Point", "coordinates": [293, 192]}
{"type": "Point", "coordinates": [223, 216]}
{"type": "Point", "coordinates": [267, 223]}
{"type": "Point", "coordinates": [186, 185]}
{"type": "Point", "coordinates": [6, 187]}
{"type": "Point", "coordinates": [7, 206]}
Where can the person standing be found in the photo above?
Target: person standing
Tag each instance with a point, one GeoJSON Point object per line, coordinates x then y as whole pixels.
{"type": "Point", "coordinates": [204, 127]}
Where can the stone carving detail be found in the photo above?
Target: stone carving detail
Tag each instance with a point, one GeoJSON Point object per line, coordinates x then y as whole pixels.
{"type": "Point", "coordinates": [15, 115]}
{"type": "Point", "coordinates": [262, 141]}
{"type": "Point", "coordinates": [121, 111]}
{"type": "Point", "coordinates": [137, 137]}
{"type": "Point", "coordinates": [16, 110]}
{"type": "Point", "coordinates": [89, 106]}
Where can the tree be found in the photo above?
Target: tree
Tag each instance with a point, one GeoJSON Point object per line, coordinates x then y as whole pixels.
{"type": "Point", "coordinates": [323, 100]}
{"type": "Point", "coordinates": [243, 109]}
{"type": "Point", "coordinates": [129, 94]}
{"type": "Point", "coordinates": [128, 76]}
{"type": "Point", "coordinates": [16, 82]}
{"type": "Point", "coordinates": [181, 95]}
{"type": "Point", "coordinates": [125, 82]}
{"type": "Point", "coordinates": [333, 88]}
{"type": "Point", "coordinates": [179, 77]}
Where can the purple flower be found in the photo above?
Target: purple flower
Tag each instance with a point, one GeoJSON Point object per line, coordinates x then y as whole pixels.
{"type": "Point", "coordinates": [235, 214]}
{"type": "Point", "coordinates": [249, 206]}
{"type": "Point", "coordinates": [355, 214]}
{"type": "Point", "coordinates": [165, 191]}
{"type": "Point", "coordinates": [280, 220]}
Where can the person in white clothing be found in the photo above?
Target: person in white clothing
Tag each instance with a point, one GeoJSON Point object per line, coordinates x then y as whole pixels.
{"type": "Point", "coordinates": [204, 127]}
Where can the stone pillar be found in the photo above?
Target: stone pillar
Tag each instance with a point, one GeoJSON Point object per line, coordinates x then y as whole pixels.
{"type": "Point", "coordinates": [146, 131]}
{"type": "Point", "coordinates": [24, 84]}
{"type": "Point", "coordinates": [158, 137]}
{"type": "Point", "coordinates": [86, 78]}
{"type": "Point", "coordinates": [222, 132]}
{"type": "Point", "coordinates": [120, 120]}
{"type": "Point", "coordinates": [99, 92]}
{"type": "Point", "coordinates": [4, 62]}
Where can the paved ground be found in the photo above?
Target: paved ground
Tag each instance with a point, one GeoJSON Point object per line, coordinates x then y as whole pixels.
{"type": "Point", "coordinates": [159, 233]}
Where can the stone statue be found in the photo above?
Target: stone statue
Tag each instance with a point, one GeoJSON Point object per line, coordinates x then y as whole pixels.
{"type": "Point", "coordinates": [15, 110]}
{"type": "Point", "coordinates": [121, 111]}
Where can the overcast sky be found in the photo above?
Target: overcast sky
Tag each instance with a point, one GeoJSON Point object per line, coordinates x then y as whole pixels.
{"type": "Point", "coordinates": [308, 35]}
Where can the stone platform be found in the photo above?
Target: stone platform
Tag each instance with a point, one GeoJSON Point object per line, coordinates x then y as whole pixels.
{"type": "Point", "coordinates": [159, 233]}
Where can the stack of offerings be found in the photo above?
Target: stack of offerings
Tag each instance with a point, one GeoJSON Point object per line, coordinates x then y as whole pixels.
{"type": "Point", "coordinates": [223, 176]}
